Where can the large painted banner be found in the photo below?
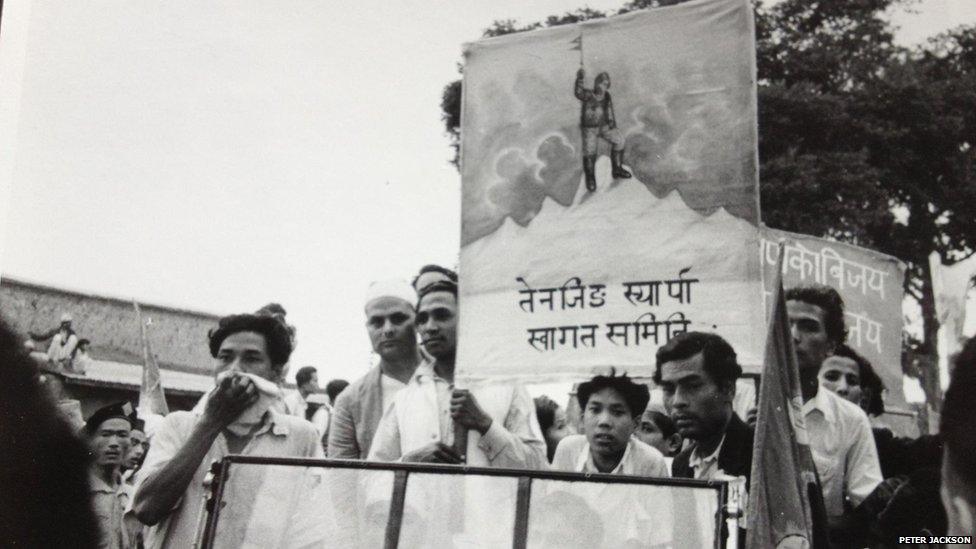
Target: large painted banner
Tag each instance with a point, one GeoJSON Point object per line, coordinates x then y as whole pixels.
{"type": "Point", "coordinates": [610, 196]}
{"type": "Point", "coordinates": [871, 284]}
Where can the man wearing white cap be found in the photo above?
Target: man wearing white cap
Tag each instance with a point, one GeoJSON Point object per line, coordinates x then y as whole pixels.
{"type": "Point", "coordinates": [420, 425]}
{"type": "Point", "coordinates": [236, 418]}
{"type": "Point", "coordinates": [359, 408]}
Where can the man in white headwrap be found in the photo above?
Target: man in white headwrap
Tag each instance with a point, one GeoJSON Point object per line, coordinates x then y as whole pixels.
{"type": "Point", "coordinates": [63, 344]}
{"type": "Point", "coordinates": [236, 418]}
{"type": "Point", "coordinates": [359, 408]}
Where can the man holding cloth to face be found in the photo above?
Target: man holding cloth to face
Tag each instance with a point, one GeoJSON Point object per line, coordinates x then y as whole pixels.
{"type": "Point", "coordinates": [236, 418]}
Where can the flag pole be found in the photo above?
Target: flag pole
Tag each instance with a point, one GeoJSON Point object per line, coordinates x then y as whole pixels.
{"type": "Point", "coordinates": [152, 398]}
{"type": "Point", "coordinates": [581, 47]}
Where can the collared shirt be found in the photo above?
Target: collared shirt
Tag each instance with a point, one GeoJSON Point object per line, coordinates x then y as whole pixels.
{"type": "Point", "coordinates": [246, 490]}
{"type": "Point", "coordinates": [389, 387]}
{"type": "Point", "coordinates": [421, 414]}
{"type": "Point", "coordinates": [109, 502]}
{"type": "Point", "coordinates": [639, 459]}
{"type": "Point", "coordinates": [706, 467]}
{"type": "Point", "coordinates": [843, 450]}
{"type": "Point", "coordinates": [295, 404]}
{"type": "Point", "coordinates": [356, 414]}
{"type": "Point", "coordinates": [638, 515]}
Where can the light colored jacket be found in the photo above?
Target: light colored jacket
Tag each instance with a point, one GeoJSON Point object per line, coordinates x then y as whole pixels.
{"type": "Point", "coordinates": [355, 416]}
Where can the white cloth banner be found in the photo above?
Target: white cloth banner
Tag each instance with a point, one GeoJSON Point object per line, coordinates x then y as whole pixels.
{"type": "Point", "coordinates": [609, 193]}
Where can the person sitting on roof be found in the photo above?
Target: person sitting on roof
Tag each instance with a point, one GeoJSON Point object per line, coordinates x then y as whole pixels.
{"type": "Point", "coordinates": [63, 344]}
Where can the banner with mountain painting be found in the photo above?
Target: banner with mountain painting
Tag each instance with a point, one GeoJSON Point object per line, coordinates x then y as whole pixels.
{"type": "Point", "coordinates": [609, 193]}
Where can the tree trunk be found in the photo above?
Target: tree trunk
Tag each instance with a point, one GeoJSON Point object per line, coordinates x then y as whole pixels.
{"type": "Point", "coordinates": [928, 363]}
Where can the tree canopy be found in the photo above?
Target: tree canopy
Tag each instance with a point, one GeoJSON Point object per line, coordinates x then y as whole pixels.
{"type": "Point", "coordinates": [860, 140]}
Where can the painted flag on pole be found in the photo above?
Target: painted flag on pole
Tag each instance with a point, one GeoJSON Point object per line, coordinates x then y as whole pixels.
{"type": "Point", "coordinates": [152, 400]}
{"type": "Point", "coordinates": [577, 43]}
{"type": "Point", "coordinates": [785, 504]}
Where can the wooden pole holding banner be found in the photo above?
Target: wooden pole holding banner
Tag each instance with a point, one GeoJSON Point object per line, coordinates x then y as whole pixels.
{"type": "Point", "coordinates": [460, 435]}
{"type": "Point", "coordinates": [461, 441]}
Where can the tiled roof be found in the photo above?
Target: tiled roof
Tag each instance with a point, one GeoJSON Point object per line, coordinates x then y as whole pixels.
{"type": "Point", "coordinates": [104, 373]}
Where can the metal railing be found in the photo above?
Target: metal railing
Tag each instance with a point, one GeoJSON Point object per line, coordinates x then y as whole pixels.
{"type": "Point", "coordinates": [724, 496]}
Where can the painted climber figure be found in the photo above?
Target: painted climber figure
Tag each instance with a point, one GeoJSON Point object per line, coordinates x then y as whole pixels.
{"type": "Point", "coordinates": [597, 121]}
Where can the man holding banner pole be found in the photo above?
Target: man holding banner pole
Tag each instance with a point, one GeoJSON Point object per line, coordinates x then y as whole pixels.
{"type": "Point", "coordinates": [840, 433]}
{"type": "Point", "coordinates": [502, 429]}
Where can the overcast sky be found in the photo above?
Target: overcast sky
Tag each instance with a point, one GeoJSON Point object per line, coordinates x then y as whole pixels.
{"type": "Point", "coordinates": [221, 155]}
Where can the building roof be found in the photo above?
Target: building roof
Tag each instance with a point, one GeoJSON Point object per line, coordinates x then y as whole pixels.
{"type": "Point", "coordinates": [124, 302]}
{"type": "Point", "coordinates": [119, 375]}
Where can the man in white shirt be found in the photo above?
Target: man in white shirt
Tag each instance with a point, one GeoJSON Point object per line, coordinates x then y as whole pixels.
{"type": "Point", "coordinates": [631, 515]}
{"type": "Point", "coordinates": [63, 344]}
{"type": "Point", "coordinates": [306, 383]}
{"type": "Point", "coordinates": [612, 406]}
{"type": "Point", "coordinates": [107, 431]}
{"type": "Point", "coordinates": [236, 418]}
{"type": "Point", "coordinates": [502, 427]}
{"type": "Point", "coordinates": [358, 409]}
{"type": "Point", "coordinates": [840, 434]}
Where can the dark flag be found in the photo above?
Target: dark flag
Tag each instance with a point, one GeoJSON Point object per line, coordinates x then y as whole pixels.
{"type": "Point", "coordinates": [785, 505]}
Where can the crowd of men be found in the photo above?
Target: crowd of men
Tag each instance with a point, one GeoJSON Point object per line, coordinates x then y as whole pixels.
{"type": "Point", "coordinates": [873, 485]}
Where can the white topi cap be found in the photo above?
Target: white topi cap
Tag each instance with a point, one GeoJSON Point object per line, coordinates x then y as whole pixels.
{"type": "Point", "coordinates": [397, 288]}
{"type": "Point", "coordinates": [65, 318]}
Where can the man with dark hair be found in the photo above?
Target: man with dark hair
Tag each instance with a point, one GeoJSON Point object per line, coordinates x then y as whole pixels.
{"type": "Point", "coordinates": [657, 429]}
{"type": "Point", "coordinates": [611, 408]}
{"type": "Point", "coordinates": [839, 431]}
{"type": "Point", "coordinates": [277, 312]}
{"type": "Point", "coordinates": [138, 444]}
{"type": "Point", "coordinates": [850, 375]}
{"type": "Point", "coordinates": [236, 417]}
{"type": "Point", "coordinates": [697, 372]}
{"type": "Point", "coordinates": [334, 388]}
{"type": "Point", "coordinates": [390, 323]}
{"type": "Point", "coordinates": [430, 274]}
{"type": "Point", "coordinates": [959, 459]}
{"type": "Point", "coordinates": [81, 358]}
{"type": "Point", "coordinates": [306, 383]}
{"type": "Point", "coordinates": [108, 436]}
{"type": "Point", "coordinates": [553, 423]}
{"type": "Point", "coordinates": [504, 431]}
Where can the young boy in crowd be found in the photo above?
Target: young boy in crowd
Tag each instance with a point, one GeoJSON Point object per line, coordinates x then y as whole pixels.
{"type": "Point", "coordinates": [611, 410]}
{"type": "Point", "coordinates": [657, 429]}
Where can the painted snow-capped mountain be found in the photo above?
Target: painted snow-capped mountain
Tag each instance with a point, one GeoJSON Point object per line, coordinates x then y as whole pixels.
{"type": "Point", "coordinates": [621, 223]}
